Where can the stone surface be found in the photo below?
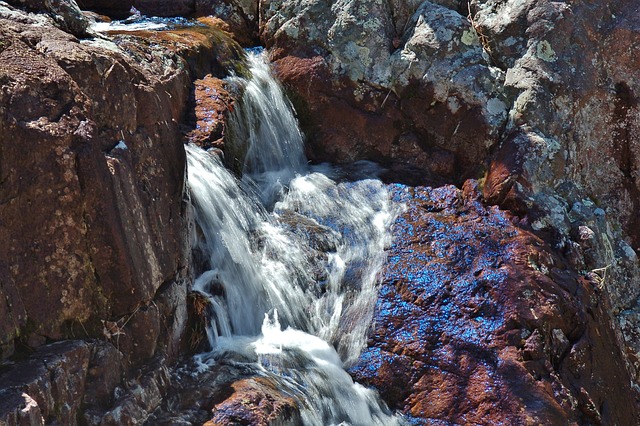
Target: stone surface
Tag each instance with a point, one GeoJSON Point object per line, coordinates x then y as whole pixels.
{"type": "Point", "coordinates": [255, 401]}
{"type": "Point", "coordinates": [224, 395]}
{"type": "Point", "coordinates": [48, 388]}
{"type": "Point", "coordinates": [65, 14]}
{"type": "Point", "coordinates": [367, 90]}
{"type": "Point", "coordinates": [240, 17]}
{"type": "Point", "coordinates": [92, 215]}
{"type": "Point", "coordinates": [122, 8]}
{"type": "Point", "coordinates": [212, 103]}
{"type": "Point", "coordinates": [480, 322]}
{"type": "Point", "coordinates": [93, 220]}
{"type": "Point", "coordinates": [568, 150]}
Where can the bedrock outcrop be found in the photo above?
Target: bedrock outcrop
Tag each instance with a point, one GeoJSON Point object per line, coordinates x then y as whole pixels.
{"type": "Point", "coordinates": [94, 222]}
{"type": "Point", "coordinates": [480, 321]}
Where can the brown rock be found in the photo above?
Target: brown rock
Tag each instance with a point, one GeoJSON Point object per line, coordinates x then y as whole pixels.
{"type": "Point", "coordinates": [479, 321]}
{"type": "Point", "coordinates": [48, 388]}
{"type": "Point", "coordinates": [212, 103]}
{"type": "Point", "coordinates": [255, 401]}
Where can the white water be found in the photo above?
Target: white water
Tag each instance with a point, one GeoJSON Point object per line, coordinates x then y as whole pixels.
{"type": "Point", "coordinates": [266, 125]}
{"type": "Point", "coordinates": [266, 272]}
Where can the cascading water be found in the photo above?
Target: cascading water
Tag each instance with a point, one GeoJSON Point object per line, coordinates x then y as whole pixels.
{"type": "Point", "coordinates": [308, 261]}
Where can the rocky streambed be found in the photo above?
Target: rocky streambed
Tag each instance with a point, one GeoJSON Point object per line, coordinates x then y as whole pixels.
{"type": "Point", "coordinates": [507, 129]}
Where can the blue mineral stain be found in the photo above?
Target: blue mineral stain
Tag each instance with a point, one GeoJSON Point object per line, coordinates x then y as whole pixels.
{"type": "Point", "coordinates": [369, 363]}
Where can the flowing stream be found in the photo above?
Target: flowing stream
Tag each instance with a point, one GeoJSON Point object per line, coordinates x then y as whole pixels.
{"type": "Point", "coordinates": [293, 255]}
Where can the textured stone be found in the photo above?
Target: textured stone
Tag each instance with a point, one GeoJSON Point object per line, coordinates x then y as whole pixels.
{"type": "Point", "coordinates": [48, 388]}
{"type": "Point", "coordinates": [212, 103]}
{"type": "Point", "coordinates": [397, 96]}
{"type": "Point", "coordinates": [95, 227]}
{"type": "Point", "coordinates": [570, 138]}
{"type": "Point", "coordinates": [255, 401]}
{"type": "Point", "coordinates": [479, 321]}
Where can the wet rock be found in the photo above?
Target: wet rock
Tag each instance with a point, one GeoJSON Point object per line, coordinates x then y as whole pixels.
{"type": "Point", "coordinates": [255, 401]}
{"type": "Point", "coordinates": [104, 373]}
{"type": "Point", "coordinates": [212, 104]}
{"type": "Point", "coordinates": [224, 395]}
{"type": "Point", "coordinates": [240, 18]}
{"type": "Point", "coordinates": [480, 321]}
{"type": "Point", "coordinates": [138, 398]}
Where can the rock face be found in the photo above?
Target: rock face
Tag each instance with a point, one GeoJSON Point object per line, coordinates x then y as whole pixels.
{"type": "Point", "coordinates": [568, 150]}
{"type": "Point", "coordinates": [398, 92]}
{"type": "Point", "coordinates": [85, 184]}
{"type": "Point", "coordinates": [480, 322]}
{"type": "Point", "coordinates": [94, 225]}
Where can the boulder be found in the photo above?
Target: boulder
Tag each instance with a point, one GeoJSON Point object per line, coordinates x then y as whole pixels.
{"type": "Point", "coordinates": [94, 221]}
{"type": "Point", "coordinates": [480, 321]}
{"type": "Point", "coordinates": [48, 388]}
{"type": "Point", "coordinates": [569, 145]}
{"type": "Point", "coordinates": [367, 87]}
{"type": "Point", "coordinates": [240, 17]}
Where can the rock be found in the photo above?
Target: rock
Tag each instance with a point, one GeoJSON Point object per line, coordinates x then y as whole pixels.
{"type": "Point", "coordinates": [240, 18]}
{"type": "Point", "coordinates": [95, 227]}
{"type": "Point", "coordinates": [212, 102]}
{"type": "Point", "coordinates": [48, 388]}
{"type": "Point", "coordinates": [366, 91]}
{"type": "Point", "coordinates": [223, 394]}
{"type": "Point", "coordinates": [255, 401]}
{"type": "Point", "coordinates": [568, 138]}
{"type": "Point", "coordinates": [100, 120]}
{"type": "Point", "coordinates": [139, 398]}
{"type": "Point", "coordinates": [65, 14]}
{"type": "Point", "coordinates": [479, 321]}
{"type": "Point", "coordinates": [121, 9]}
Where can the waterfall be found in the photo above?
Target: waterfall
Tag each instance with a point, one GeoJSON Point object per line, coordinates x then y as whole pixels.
{"type": "Point", "coordinates": [293, 259]}
{"type": "Point", "coordinates": [265, 132]}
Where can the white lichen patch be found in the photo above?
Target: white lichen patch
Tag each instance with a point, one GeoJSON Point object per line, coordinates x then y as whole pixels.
{"type": "Point", "coordinates": [359, 92]}
{"type": "Point", "coordinates": [545, 52]}
{"type": "Point", "coordinates": [470, 37]}
{"type": "Point", "coordinates": [453, 104]}
{"type": "Point", "coordinates": [290, 29]}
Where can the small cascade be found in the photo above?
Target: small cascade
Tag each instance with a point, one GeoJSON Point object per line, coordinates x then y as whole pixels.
{"type": "Point", "coordinates": [293, 258]}
{"type": "Point", "coordinates": [265, 132]}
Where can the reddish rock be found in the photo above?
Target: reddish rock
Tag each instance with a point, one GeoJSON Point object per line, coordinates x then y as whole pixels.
{"type": "Point", "coordinates": [338, 128]}
{"type": "Point", "coordinates": [406, 85]}
{"type": "Point", "coordinates": [91, 200]}
{"type": "Point", "coordinates": [479, 321]}
{"type": "Point", "coordinates": [255, 402]}
{"type": "Point", "coordinates": [212, 103]}
{"type": "Point", "coordinates": [240, 18]}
